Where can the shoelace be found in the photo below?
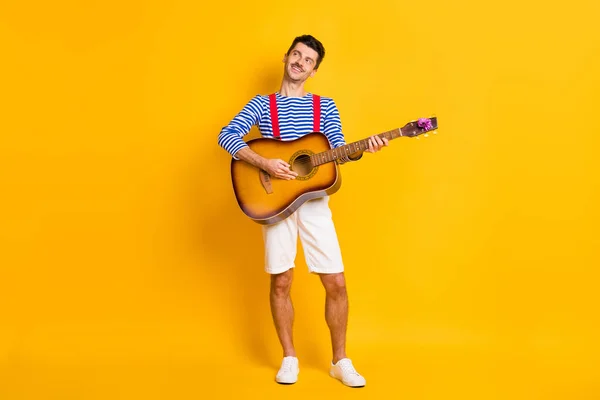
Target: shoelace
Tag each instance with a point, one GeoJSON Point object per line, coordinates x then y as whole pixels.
{"type": "Point", "coordinates": [287, 365]}
{"type": "Point", "coordinates": [348, 368]}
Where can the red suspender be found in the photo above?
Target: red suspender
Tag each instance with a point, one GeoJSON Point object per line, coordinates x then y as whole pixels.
{"type": "Point", "coordinates": [317, 113]}
{"type": "Point", "coordinates": [274, 117]}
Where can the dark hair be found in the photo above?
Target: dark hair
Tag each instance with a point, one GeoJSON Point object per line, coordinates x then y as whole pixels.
{"type": "Point", "coordinates": [311, 42]}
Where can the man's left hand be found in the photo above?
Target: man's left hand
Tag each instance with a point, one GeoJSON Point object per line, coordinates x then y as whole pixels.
{"type": "Point", "coordinates": [376, 144]}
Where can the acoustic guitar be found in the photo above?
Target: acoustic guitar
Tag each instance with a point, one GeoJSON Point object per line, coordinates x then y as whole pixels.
{"type": "Point", "coordinates": [268, 200]}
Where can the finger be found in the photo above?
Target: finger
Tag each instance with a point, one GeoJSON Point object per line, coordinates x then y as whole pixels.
{"type": "Point", "coordinates": [386, 142]}
{"type": "Point", "coordinates": [287, 174]}
{"type": "Point", "coordinates": [375, 144]}
{"type": "Point", "coordinates": [287, 177]}
{"type": "Point", "coordinates": [288, 171]}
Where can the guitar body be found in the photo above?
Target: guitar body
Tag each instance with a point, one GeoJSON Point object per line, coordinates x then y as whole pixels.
{"type": "Point", "coordinates": [268, 200]}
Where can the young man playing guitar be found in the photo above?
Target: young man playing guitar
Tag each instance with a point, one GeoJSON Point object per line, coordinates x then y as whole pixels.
{"type": "Point", "coordinates": [290, 114]}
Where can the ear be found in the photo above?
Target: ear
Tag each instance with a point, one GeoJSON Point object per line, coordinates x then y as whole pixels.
{"type": "Point", "coordinates": [314, 71]}
{"type": "Point", "coordinates": [284, 58]}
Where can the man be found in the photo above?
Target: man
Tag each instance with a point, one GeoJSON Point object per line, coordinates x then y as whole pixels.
{"type": "Point", "coordinates": [289, 114]}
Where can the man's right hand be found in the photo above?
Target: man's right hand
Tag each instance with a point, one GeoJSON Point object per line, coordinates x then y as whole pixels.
{"type": "Point", "coordinates": [279, 169]}
{"type": "Point", "coordinates": [274, 166]}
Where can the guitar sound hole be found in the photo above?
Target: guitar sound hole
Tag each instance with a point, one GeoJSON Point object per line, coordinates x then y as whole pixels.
{"type": "Point", "coordinates": [302, 165]}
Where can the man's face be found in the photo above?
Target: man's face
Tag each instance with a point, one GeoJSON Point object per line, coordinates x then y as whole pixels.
{"type": "Point", "coordinates": [300, 64]}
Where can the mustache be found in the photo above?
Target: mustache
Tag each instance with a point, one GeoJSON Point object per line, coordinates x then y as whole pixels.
{"type": "Point", "coordinates": [298, 66]}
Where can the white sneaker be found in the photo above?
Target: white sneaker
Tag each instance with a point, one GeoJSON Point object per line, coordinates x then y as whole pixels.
{"type": "Point", "coordinates": [344, 371]}
{"type": "Point", "coordinates": [288, 372]}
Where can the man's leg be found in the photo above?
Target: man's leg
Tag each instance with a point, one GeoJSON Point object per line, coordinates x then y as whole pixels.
{"type": "Point", "coordinates": [323, 256]}
{"type": "Point", "coordinates": [283, 318]}
{"type": "Point", "coordinates": [336, 315]}
{"type": "Point", "coordinates": [280, 253]}
{"type": "Point", "coordinates": [282, 310]}
{"type": "Point", "coordinates": [336, 312]}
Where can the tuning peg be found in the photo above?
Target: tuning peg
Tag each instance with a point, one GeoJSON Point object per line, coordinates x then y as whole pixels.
{"type": "Point", "coordinates": [434, 132]}
{"type": "Point", "coordinates": [426, 135]}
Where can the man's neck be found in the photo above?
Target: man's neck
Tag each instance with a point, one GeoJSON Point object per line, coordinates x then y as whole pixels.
{"type": "Point", "coordinates": [292, 89]}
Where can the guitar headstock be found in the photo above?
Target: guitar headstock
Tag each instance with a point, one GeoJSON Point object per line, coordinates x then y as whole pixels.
{"type": "Point", "coordinates": [420, 127]}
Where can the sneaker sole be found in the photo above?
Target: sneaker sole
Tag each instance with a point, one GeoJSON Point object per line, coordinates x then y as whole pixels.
{"type": "Point", "coordinates": [287, 383]}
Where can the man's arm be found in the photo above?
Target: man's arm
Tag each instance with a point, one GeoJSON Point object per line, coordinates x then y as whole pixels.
{"type": "Point", "coordinates": [332, 128]}
{"type": "Point", "coordinates": [231, 140]}
{"type": "Point", "coordinates": [275, 167]}
{"type": "Point", "coordinates": [230, 137]}
{"type": "Point", "coordinates": [333, 131]}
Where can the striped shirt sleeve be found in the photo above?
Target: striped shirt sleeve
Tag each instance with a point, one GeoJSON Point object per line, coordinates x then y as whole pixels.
{"type": "Point", "coordinates": [230, 137]}
{"type": "Point", "coordinates": [332, 127]}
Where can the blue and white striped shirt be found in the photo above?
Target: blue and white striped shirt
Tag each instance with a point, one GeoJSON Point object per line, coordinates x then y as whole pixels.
{"type": "Point", "coordinates": [295, 120]}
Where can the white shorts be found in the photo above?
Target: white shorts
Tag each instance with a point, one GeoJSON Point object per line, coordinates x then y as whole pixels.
{"type": "Point", "coordinates": [314, 223]}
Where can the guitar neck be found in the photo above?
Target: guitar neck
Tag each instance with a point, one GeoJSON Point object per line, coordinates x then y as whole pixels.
{"type": "Point", "coordinates": [351, 148]}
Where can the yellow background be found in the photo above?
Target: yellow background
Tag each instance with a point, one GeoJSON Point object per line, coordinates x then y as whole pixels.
{"type": "Point", "coordinates": [127, 270]}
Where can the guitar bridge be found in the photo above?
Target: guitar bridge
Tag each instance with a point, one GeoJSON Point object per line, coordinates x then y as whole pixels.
{"type": "Point", "coordinates": [265, 179]}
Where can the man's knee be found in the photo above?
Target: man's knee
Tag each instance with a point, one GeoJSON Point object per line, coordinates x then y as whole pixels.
{"type": "Point", "coordinates": [335, 284]}
{"type": "Point", "coordinates": [282, 283]}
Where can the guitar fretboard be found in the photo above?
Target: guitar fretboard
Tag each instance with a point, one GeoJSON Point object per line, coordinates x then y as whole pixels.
{"type": "Point", "coordinates": [351, 148]}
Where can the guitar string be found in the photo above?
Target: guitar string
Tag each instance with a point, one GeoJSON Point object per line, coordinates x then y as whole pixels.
{"type": "Point", "coordinates": [318, 158]}
{"type": "Point", "coordinates": [323, 157]}
{"type": "Point", "coordinates": [327, 159]}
